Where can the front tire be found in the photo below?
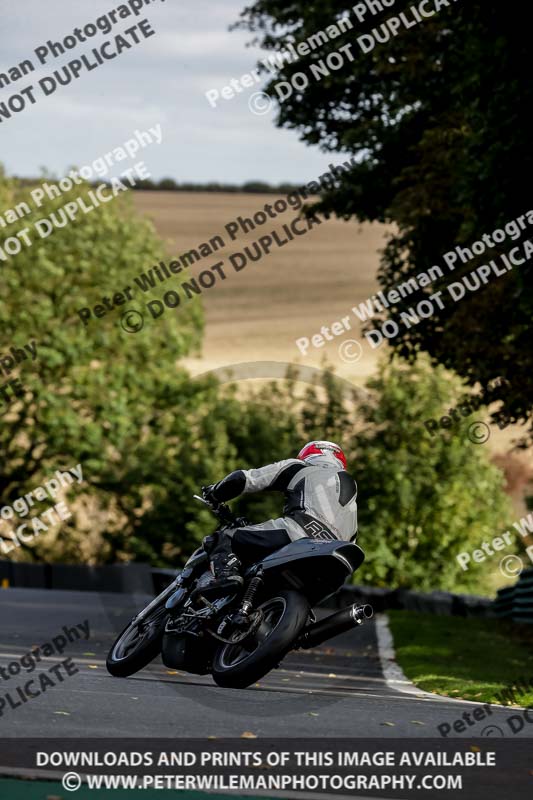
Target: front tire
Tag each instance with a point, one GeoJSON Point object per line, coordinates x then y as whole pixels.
{"type": "Point", "coordinates": [137, 645]}
{"type": "Point", "coordinates": [237, 666]}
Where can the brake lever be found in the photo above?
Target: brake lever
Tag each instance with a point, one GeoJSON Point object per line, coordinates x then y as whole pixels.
{"type": "Point", "coordinates": [223, 512]}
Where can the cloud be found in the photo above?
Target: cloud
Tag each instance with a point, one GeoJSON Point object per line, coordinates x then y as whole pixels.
{"type": "Point", "coordinates": [161, 80]}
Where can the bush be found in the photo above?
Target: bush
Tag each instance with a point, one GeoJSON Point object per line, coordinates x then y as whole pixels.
{"type": "Point", "coordinates": [423, 499]}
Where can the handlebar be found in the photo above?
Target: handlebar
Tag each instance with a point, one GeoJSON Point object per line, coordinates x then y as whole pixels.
{"type": "Point", "coordinates": [221, 511]}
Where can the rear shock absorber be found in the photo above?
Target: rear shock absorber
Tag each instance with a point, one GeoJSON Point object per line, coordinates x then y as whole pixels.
{"type": "Point", "coordinates": [250, 593]}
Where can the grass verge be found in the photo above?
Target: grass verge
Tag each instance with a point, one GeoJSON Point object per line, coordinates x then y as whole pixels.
{"type": "Point", "coordinates": [472, 659]}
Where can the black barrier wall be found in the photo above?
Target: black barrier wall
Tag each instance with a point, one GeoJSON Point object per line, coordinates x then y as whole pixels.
{"type": "Point", "coordinates": [127, 578]}
{"type": "Point", "coordinates": [143, 579]}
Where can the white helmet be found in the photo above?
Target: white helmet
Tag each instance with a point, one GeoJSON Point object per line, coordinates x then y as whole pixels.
{"type": "Point", "coordinates": [322, 449]}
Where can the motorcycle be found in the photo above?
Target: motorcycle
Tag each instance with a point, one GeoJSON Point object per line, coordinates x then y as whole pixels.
{"type": "Point", "coordinates": [241, 636]}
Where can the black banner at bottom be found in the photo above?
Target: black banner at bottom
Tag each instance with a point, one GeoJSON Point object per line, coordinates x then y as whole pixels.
{"type": "Point", "coordinates": [373, 768]}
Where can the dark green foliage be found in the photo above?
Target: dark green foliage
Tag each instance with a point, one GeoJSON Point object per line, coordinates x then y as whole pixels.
{"type": "Point", "coordinates": [440, 117]}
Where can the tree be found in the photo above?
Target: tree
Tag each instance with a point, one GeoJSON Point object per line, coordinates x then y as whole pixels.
{"type": "Point", "coordinates": [96, 395]}
{"type": "Point", "coordinates": [439, 119]}
{"type": "Point", "coordinates": [167, 185]}
{"type": "Point", "coordinates": [423, 498]}
{"type": "Point", "coordinates": [145, 433]}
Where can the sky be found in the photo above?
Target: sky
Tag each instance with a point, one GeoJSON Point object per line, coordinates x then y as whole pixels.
{"type": "Point", "coordinates": [162, 81]}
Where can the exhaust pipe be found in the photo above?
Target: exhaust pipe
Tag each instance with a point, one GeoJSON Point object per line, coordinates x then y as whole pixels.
{"type": "Point", "coordinates": [333, 625]}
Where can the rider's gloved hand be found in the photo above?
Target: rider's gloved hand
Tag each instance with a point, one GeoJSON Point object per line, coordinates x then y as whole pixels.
{"type": "Point", "coordinates": [207, 494]}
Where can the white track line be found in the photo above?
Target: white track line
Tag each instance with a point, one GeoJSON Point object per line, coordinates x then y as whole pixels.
{"type": "Point", "coordinates": [395, 677]}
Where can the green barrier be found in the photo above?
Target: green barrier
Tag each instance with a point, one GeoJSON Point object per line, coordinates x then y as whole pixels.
{"type": "Point", "coordinates": [517, 601]}
{"type": "Point", "coordinates": [12, 789]}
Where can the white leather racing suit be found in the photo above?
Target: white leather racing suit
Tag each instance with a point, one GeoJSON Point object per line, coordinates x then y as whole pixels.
{"type": "Point", "coordinates": [320, 497]}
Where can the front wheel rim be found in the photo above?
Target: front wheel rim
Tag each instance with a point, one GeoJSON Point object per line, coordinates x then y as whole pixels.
{"type": "Point", "coordinates": [135, 635]}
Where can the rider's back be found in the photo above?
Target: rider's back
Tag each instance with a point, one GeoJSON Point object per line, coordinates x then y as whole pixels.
{"type": "Point", "coordinates": [326, 494]}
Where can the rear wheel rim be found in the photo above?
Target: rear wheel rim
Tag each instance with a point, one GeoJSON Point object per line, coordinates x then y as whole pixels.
{"type": "Point", "coordinates": [234, 654]}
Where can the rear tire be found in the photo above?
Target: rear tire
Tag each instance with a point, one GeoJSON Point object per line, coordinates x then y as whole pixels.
{"type": "Point", "coordinates": [134, 649]}
{"type": "Point", "coordinates": [286, 615]}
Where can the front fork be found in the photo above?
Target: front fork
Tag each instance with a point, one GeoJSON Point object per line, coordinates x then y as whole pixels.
{"type": "Point", "coordinates": [157, 601]}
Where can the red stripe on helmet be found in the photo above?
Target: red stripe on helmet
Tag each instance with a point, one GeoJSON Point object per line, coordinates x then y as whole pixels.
{"type": "Point", "coordinates": [312, 449]}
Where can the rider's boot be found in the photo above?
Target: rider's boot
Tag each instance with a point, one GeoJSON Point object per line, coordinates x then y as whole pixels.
{"type": "Point", "coordinates": [227, 577]}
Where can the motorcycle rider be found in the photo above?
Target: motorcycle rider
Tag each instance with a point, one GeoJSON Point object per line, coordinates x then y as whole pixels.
{"type": "Point", "coordinates": [320, 502]}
